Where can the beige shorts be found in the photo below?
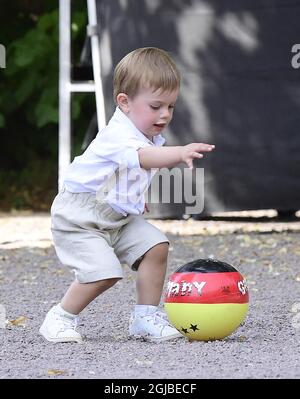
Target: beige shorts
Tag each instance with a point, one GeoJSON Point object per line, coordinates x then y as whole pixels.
{"type": "Point", "coordinates": [94, 240]}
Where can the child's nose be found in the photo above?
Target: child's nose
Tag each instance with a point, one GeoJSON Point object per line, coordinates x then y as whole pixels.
{"type": "Point", "coordinates": [166, 113]}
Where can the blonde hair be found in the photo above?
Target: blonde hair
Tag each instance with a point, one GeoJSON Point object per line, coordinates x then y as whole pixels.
{"type": "Point", "coordinates": [145, 67]}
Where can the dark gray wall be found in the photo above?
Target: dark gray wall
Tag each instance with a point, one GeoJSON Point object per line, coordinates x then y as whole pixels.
{"type": "Point", "coordinates": [239, 90]}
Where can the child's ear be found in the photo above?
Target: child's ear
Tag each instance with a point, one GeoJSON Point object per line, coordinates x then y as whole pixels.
{"type": "Point", "coordinates": [123, 102]}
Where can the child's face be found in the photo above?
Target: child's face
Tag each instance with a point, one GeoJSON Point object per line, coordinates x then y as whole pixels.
{"type": "Point", "coordinates": [151, 111]}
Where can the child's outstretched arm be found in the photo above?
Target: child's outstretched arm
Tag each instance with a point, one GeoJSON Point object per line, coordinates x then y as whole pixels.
{"type": "Point", "coordinates": [167, 157]}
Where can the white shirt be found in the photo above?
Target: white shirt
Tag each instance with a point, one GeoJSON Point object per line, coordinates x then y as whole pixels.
{"type": "Point", "coordinates": [110, 166]}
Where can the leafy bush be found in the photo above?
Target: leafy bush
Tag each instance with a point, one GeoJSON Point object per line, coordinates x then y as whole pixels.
{"type": "Point", "coordinates": [29, 102]}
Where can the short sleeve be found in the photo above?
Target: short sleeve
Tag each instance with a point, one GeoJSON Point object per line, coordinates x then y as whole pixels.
{"type": "Point", "coordinates": [122, 150]}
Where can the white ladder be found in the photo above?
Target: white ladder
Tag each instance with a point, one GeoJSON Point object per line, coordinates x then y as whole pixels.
{"type": "Point", "coordinates": [67, 87]}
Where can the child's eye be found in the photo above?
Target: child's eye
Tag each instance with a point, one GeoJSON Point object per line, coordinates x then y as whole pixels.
{"type": "Point", "coordinates": [172, 106]}
{"type": "Point", "coordinates": [155, 107]}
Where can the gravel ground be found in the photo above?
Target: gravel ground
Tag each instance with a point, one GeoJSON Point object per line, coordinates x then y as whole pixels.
{"type": "Point", "coordinates": [266, 345]}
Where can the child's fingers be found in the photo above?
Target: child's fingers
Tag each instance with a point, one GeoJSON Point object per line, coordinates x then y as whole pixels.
{"type": "Point", "coordinates": [197, 155]}
{"type": "Point", "coordinates": [189, 163]}
{"type": "Point", "coordinates": [205, 147]}
{"type": "Point", "coordinates": [193, 155]}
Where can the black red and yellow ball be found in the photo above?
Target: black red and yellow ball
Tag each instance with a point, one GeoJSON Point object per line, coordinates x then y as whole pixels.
{"type": "Point", "coordinates": [206, 299]}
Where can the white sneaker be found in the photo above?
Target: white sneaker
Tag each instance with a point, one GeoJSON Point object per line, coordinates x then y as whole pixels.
{"type": "Point", "coordinates": [58, 327]}
{"type": "Point", "coordinates": [153, 327]}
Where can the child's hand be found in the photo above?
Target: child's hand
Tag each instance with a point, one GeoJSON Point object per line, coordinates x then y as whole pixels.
{"type": "Point", "coordinates": [191, 151]}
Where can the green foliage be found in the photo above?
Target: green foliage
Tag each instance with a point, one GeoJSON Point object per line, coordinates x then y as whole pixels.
{"type": "Point", "coordinates": [31, 75]}
{"type": "Point", "coordinates": [30, 188]}
{"type": "Point", "coordinates": [29, 101]}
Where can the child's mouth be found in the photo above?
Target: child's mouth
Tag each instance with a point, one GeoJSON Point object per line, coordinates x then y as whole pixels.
{"type": "Point", "coordinates": [160, 125]}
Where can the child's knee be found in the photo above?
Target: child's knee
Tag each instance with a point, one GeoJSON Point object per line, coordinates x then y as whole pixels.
{"type": "Point", "coordinates": [110, 282]}
{"type": "Point", "coordinates": [159, 252]}
{"type": "Point", "coordinates": [103, 285]}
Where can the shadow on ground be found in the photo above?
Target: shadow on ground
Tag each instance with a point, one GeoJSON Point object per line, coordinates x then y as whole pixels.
{"type": "Point", "coordinates": [264, 346]}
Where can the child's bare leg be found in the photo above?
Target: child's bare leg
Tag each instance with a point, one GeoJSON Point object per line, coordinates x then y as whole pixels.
{"type": "Point", "coordinates": [147, 321]}
{"type": "Point", "coordinates": [151, 275]}
{"type": "Point", "coordinates": [79, 295]}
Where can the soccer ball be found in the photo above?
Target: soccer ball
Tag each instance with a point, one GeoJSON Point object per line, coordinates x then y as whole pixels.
{"type": "Point", "coordinates": [206, 299]}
